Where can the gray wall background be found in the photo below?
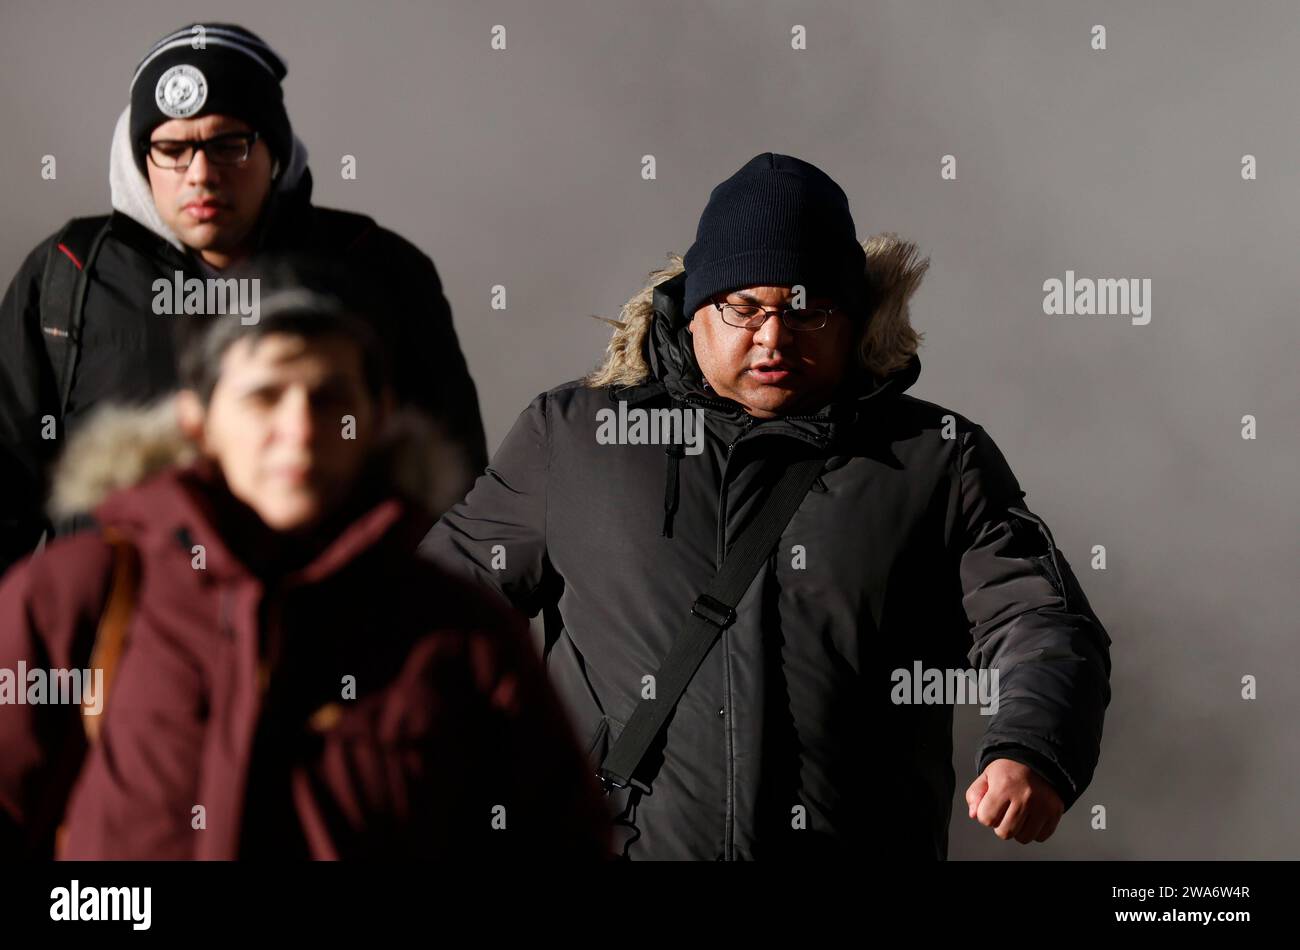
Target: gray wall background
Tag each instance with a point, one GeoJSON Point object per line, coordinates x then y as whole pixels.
{"type": "Point", "coordinates": [522, 168]}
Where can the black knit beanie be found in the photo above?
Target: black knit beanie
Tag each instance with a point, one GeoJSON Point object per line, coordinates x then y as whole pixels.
{"type": "Point", "coordinates": [205, 69]}
{"type": "Point", "coordinates": [779, 221]}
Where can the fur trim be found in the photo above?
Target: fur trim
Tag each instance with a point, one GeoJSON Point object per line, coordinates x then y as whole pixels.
{"type": "Point", "coordinates": [423, 463]}
{"type": "Point", "coordinates": [121, 446]}
{"type": "Point", "coordinates": [894, 267]}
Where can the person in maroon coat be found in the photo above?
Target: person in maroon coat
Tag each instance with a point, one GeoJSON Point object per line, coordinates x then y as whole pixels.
{"type": "Point", "coordinates": [293, 680]}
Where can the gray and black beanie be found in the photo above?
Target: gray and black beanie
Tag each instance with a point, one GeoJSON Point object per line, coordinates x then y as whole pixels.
{"type": "Point", "coordinates": [210, 69]}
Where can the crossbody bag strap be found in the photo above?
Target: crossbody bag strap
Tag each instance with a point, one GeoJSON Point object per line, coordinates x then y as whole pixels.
{"type": "Point", "coordinates": [713, 611]}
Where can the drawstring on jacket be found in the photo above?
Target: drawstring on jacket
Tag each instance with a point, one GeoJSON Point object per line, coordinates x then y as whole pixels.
{"type": "Point", "coordinates": [674, 453]}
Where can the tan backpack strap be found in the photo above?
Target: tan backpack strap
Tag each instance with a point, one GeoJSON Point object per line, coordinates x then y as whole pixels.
{"type": "Point", "coordinates": [110, 639]}
{"type": "Point", "coordinates": [111, 634]}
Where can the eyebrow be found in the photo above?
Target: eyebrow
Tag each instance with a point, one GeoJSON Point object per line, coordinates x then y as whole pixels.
{"type": "Point", "coordinates": [751, 299]}
{"type": "Point", "coordinates": [272, 380]}
{"type": "Point", "coordinates": [219, 135]}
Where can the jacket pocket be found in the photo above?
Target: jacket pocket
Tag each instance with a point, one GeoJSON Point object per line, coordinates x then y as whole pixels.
{"type": "Point", "coordinates": [1051, 563]}
{"type": "Point", "coordinates": [598, 745]}
{"type": "Point", "coordinates": [602, 738]}
{"type": "Point", "coordinates": [362, 752]}
{"type": "Point", "coordinates": [620, 803]}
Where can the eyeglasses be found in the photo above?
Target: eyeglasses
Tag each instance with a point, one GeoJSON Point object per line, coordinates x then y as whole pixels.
{"type": "Point", "coordinates": [751, 316]}
{"type": "Point", "coordinates": [232, 148]}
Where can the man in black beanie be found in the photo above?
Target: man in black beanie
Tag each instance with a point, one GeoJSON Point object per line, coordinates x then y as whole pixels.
{"type": "Point", "coordinates": [767, 573]}
{"type": "Point", "coordinates": [226, 92]}
{"type": "Point", "coordinates": [205, 173]}
{"type": "Point", "coordinates": [776, 225]}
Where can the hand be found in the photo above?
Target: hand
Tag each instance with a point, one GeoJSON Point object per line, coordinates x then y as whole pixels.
{"type": "Point", "coordinates": [1015, 801]}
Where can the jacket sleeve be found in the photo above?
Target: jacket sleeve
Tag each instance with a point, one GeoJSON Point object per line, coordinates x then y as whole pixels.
{"type": "Point", "coordinates": [27, 393]}
{"type": "Point", "coordinates": [497, 534]}
{"type": "Point", "coordinates": [49, 605]}
{"type": "Point", "coordinates": [433, 367]}
{"type": "Point", "coordinates": [536, 768]}
{"type": "Point", "coordinates": [1032, 623]}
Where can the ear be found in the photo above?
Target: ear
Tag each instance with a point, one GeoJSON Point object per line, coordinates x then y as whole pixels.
{"type": "Point", "coordinates": [700, 314]}
{"type": "Point", "coordinates": [191, 415]}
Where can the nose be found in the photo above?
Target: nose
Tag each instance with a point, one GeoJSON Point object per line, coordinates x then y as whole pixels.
{"type": "Point", "coordinates": [200, 170]}
{"type": "Point", "coordinates": [294, 417]}
{"type": "Point", "coordinates": [773, 333]}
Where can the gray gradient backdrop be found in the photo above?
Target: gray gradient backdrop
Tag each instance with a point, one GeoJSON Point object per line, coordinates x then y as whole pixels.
{"type": "Point", "coordinates": [522, 168]}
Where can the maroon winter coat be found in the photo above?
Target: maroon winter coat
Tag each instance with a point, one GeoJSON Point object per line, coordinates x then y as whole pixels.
{"type": "Point", "coordinates": [229, 696]}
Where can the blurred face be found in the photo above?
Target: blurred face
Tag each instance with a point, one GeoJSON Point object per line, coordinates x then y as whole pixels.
{"type": "Point", "coordinates": [212, 208]}
{"type": "Point", "coordinates": [275, 425]}
{"type": "Point", "coordinates": [772, 371]}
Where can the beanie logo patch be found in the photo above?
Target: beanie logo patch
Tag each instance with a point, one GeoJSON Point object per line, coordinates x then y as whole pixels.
{"type": "Point", "coordinates": [181, 91]}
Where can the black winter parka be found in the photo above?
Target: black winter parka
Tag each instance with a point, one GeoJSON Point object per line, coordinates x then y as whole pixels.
{"type": "Point", "coordinates": [914, 544]}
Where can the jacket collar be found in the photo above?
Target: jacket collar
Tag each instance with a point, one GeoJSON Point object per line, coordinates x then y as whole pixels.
{"type": "Point", "coordinates": [181, 507]}
{"type": "Point", "coordinates": [133, 469]}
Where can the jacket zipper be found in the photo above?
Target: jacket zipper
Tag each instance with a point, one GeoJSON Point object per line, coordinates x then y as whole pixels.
{"type": "Point", "coordinates": [749, 425]}
{"type": "Point", "coordinates": [751, 422]}
{"type": "Point", "coordinates": [722, 493]}
{"type": "Point", "coordinates": [728, 723]}
{"type": "Point", "coordinates": [731, 408]}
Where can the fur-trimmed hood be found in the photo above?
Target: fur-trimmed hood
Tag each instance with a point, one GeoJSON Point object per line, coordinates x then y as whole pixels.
{"type": "Point", "coordinates": [894, 268]}
{"type": "Point", "coordinates": [122, 446]}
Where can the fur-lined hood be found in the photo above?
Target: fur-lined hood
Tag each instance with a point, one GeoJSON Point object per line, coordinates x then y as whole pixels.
{"type": "Point", "coordinates": [893, 267]}
{"type": "Point", "coordinates": [122, 446]}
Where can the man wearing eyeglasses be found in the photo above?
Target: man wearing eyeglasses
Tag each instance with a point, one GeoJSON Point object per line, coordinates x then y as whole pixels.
{"type": "Point", "coordinates": [205, 171]}
{"type": "Point", "coordinates": [762, 642]}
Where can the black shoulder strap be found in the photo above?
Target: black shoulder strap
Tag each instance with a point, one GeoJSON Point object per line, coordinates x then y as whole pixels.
{"type": "Point", "coordinates": [713, 611]}
{"type": "Point", "coordinates": [63, 291]}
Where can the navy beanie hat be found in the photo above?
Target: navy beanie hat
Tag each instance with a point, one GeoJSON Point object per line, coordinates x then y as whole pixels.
{"type": "Point", "coordinates": [779, 221]}
{"type": "Point", "coordinates": [210, 69]}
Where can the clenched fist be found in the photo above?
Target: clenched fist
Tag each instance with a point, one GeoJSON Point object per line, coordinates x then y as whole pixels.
{"type": "Point", "coordinates": [1015, 801]}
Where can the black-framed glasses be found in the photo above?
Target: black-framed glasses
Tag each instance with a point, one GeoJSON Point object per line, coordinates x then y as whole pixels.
{"type": "Point", "coordinates": [233, 148]}
{"type": "Point", "coordinates": [751, 316]}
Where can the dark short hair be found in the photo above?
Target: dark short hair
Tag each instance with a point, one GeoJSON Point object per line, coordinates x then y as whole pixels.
{"type": "Point", "coordinates": [297, 297]}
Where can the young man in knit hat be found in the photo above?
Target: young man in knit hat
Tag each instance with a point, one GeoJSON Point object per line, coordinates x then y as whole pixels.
{"type": "Point", "coordinates": [205, 170]}
{"type": "Point", "coordinates": [873, 553]}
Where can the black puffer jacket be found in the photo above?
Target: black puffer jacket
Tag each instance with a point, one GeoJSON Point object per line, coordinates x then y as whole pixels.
{"type": "Point", "coordinates": [916, 547]}
{"type": "Point", "coordinates": [126, 351]}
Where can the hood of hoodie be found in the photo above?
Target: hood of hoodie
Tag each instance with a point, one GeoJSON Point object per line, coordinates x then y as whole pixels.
{"type": "Point", "coordinates": [132, 196]}
{"type": "Point", "coordinates": [137, 473]}
{"type": "Point", "coordinates": [651, 350]}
